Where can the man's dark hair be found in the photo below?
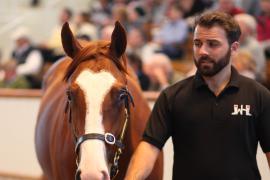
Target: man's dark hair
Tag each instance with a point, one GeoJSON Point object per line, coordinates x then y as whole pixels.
{"type": "Point", "coordinates": [223, 20]}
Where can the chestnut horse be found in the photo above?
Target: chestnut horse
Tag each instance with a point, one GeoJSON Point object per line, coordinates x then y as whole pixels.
{"type": "Point", "coordinates": [88, 102]}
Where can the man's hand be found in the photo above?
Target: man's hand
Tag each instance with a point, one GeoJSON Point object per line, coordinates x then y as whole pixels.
{"type": "Point", "coordinates": [9, 70]}
{"type": "Point", "coordinates": [142, 162]}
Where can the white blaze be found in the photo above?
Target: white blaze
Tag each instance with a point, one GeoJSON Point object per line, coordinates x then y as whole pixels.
{"type": "Point", "coordinates": [95, 87]}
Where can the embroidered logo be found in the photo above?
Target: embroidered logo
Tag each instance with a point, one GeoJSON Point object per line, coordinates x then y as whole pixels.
{"type": "Point", "coordinates": [241, 110]}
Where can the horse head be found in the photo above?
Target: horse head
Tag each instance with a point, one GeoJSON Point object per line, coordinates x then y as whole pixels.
{"type": "Point", "coordinates": [98, 101]}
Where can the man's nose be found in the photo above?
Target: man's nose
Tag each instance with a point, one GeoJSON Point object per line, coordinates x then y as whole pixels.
{"type": "Point", "coordinates": [203, 50]}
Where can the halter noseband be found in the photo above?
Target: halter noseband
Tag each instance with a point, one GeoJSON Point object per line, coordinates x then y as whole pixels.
{"type": "Point", "coordinates": [108, 138]}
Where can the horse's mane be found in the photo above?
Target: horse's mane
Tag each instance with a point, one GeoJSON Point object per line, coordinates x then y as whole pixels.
{"type": "Point", "coordinates": [94, 50]}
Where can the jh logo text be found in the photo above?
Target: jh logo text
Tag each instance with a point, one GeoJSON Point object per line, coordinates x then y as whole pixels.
{"type": "Point", "coordinates": [241, 110]}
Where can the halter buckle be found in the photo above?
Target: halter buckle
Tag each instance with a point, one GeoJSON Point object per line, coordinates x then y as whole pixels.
{"type": "Point", "coordinates": [109, 138]}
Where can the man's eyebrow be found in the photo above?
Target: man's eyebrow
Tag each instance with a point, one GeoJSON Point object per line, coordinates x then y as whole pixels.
{"type": "Point", "coordinates": [208, 40]}
{"type": "Point", "coordinates": [213, 40]}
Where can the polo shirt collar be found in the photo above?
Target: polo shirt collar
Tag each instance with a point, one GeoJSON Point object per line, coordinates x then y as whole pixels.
{"type": "Point", "coordinates": [234, 81]}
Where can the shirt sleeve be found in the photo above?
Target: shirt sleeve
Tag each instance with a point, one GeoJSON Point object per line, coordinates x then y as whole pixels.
{"type": "Point", "coordinates": [158, 128]}
{"type": "Point", "coordinates": [32, 64]}
{"type": "Point", "coordinates": [264, 122]}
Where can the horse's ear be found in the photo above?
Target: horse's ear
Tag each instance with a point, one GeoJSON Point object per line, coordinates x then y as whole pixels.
{"type": "Point", "coordinates": [70, 45]}
{"type": "Point", "coordinates": [118, 40]}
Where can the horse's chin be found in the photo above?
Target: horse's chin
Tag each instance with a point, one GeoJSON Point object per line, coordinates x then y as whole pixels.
{"type": "Point", "coordinates": [86, 176]}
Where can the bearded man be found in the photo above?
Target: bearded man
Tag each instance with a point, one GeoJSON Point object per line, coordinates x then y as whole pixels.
{"type": "Point", "coordinates": [215, 118]}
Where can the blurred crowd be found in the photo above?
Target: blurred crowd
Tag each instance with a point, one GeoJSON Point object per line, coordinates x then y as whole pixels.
{"type": "Point", "coordinates": [159, 35]}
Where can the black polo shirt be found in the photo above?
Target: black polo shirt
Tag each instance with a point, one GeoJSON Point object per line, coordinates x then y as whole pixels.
{"type": "Point", "coordinates": [214, 137]}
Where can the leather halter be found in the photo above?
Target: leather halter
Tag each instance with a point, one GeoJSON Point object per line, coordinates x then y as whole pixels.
{"type": "Point", "coordinates": [108, 138]}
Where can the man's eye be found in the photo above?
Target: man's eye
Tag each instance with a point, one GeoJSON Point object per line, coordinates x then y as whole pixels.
{"type": "Point", "coordinates": [213, 44]}
{"type": "Point", "coordinates": [197, 44]}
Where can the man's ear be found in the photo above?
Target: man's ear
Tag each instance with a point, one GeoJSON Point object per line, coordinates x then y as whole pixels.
{"type": "Point", "coordinates": [235, 46]}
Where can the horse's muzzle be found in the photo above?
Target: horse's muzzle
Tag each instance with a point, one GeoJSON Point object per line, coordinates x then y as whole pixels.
{"type": "Point", "coordinates": [105, 176]}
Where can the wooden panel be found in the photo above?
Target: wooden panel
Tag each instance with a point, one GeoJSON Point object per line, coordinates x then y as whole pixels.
{"type": "Point", "coordinates": [182, 66]}
{"type": "Point", "coordinates": [10, 176]}
{"type": "Point", "coordinates": [20, 92]}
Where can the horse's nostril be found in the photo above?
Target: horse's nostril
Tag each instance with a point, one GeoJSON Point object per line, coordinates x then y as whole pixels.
{"type": "Point", "coordinates": [105, 175]}
{"type": "Point", "coordinates": [78, 175]}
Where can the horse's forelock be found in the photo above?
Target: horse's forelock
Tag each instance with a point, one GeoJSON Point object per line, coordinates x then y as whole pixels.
{"type": "Point", "coordinates": [93, 51]}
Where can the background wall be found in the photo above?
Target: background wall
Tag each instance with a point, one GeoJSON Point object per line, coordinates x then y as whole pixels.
{"type": "Point", "coordinates": [17, 153]}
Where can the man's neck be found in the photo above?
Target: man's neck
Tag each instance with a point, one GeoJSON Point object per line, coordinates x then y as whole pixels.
{"type": "Point", "coordinates": [218, 82]}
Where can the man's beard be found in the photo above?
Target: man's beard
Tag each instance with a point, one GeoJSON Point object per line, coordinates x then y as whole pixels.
{"type": "Point", "coordinates": [214, 67]}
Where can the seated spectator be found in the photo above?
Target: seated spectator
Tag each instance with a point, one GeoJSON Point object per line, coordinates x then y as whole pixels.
{"type": "Point", "coordinates": [135, 41]}
{"type": "Point", "coordinates": [136, 15]}
{"type": "Point", "coordinates": [245, 64]}
{"type": "Point", "coordinates": [228, 6]}
{"type": "Point", "coordinates": [155, 10]}
{"type": "Point", "coordinates": [52, 48]}
{"type": "Point", "coordinates": [101, 12]}
{"type": "Point", "coordinates": [26, 61]}
{"type": "Point", "coordinates": [173, 34]}
{"type": "Point", "coordinates": [248, 42]}
{"type": "Point", "coordinates": [9, 79]}
{"type": "Point", "coordinates": [106, 32]}
{"type": "Point", "coordinates": [119, 13]}
{"type": "Point", "coordinates": [84, 28]}
{"type": "Point", "coordinates": [251, 7]}
{"type": "Point", "coordinates": [137, 65]}
{"type": "Point", "coordinates": [192, 8]}
{"type": "Point", "coordinates": [263, 26]}
{"type": "Point", "coordinates": [137, 44]}
{"type": "Point", "coordinates": [159, 69]}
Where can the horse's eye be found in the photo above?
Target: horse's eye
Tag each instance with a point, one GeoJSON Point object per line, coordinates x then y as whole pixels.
{"type": "Point", "coordinates": [123, 94]}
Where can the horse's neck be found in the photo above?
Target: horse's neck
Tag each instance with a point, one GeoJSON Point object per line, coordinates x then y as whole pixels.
{"type": "Point", "coordinates": [55, 75]}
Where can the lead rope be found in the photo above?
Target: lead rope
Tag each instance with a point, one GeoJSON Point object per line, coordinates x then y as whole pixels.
{"type": "Point", "coordinates": [114, 167]}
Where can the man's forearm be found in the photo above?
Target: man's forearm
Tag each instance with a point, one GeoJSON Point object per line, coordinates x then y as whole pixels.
{"type": "Point", "coordinates": [142, 162]}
